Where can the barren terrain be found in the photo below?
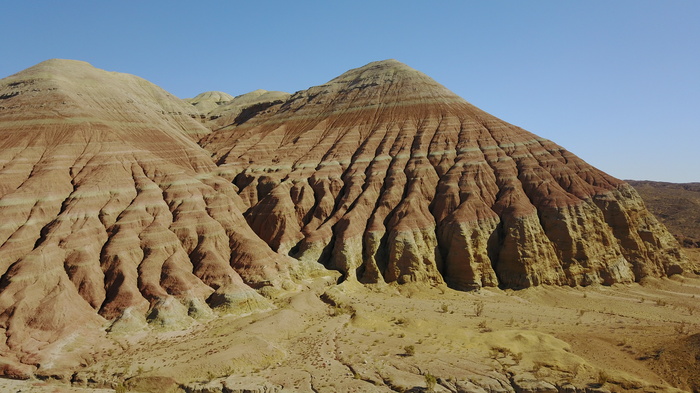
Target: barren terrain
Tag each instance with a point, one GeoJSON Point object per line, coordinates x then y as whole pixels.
{"type": "Point", "coordinates": [327, 338]}
{"type": "Point", "coordinates": [316, 242]}
{"type": "Point", "coordinates": [677, 205]}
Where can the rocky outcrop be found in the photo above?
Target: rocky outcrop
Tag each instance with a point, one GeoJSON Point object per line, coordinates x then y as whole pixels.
{"type": "Point", "coordinates": [387, 176]}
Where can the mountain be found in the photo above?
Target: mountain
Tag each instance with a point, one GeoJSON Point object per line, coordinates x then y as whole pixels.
{"type": "Point", "coordinates": [126, 209]}
{"type": "Point", "coordinates": [112, 212]}
{"type": "Point", "coordinates": [387, 176]}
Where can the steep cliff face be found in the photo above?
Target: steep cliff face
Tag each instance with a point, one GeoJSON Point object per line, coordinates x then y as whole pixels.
{"type": "Point", "coordinates": [387, 176]}
{"type": "Point", "coordinates": [110, 209]}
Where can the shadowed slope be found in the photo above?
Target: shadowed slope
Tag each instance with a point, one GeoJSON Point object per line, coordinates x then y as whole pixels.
{"type": "Point", "coordinates": [387, 176]}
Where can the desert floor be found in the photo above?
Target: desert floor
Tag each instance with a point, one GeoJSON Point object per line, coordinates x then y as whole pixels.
{"type": "Point", "coordinates": [355, 338]}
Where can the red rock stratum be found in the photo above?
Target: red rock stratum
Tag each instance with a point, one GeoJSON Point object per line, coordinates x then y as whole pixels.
{"type": "Point", "coordinates": [123, 205]}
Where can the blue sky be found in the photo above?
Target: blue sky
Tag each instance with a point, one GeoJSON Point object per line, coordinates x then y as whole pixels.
{"type": "Point", "coordinates": [615, 82]}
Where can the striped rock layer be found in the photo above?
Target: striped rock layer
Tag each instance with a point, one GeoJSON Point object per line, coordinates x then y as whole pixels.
{"type": "Point", "coordinates": [123, 205]}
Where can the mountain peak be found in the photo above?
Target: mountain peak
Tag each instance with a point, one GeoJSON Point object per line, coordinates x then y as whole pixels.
{"type": "Point", "coordinates": [207, 101]}
{"type": "Point", "coordinates": [385, 72]}
{"type": "Point", "coordinates": [218, 96]}
{"type": "Point", "coordinates": [64, 63]}
{"type": "Point", "coordinates": [54, 67]}
{"type": "Point", "coordinates": [380, 83]}
{"type": "Point", "coordinates": [389, 66]}
{"type": "Point", "coordinates": [59, 91]}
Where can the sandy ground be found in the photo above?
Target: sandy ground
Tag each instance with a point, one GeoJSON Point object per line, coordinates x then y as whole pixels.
{"type": "Point", "coordinates": [8, 385]}
{"type": "Point", "coordinates": [352, 338]}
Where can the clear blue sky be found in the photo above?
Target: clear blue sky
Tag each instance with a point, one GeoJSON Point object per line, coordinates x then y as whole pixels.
{"type": "Point", "coordinates": [615, 82]}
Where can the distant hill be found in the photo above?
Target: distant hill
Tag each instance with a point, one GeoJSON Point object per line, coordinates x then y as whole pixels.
{"type": "Point", "coordinates": [677, 205]}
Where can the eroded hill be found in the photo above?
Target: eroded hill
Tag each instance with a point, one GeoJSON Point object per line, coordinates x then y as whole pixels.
{"type": "Point", "coordinates": [387, 176]}
{"type": "Point", "coordinates": [112, 212]}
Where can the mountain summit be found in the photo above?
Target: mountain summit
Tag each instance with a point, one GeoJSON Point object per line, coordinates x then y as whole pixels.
{"type": "Point", "coordinates": [382, 82]}
{"type": "Point", "coordinates": [124, 207]}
